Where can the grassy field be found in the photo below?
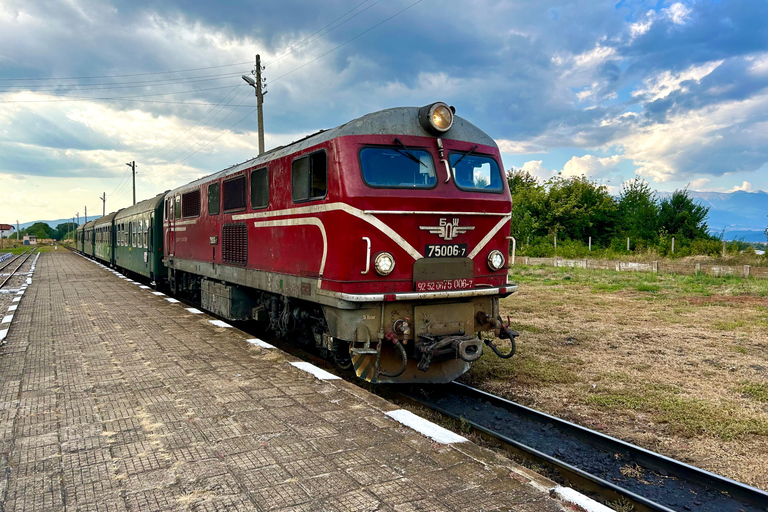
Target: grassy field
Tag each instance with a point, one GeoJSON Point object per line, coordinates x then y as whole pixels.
{"type": "Point", "coordinates": [41, 248]}
{"type": "Point", "coordinates": [677, 364]}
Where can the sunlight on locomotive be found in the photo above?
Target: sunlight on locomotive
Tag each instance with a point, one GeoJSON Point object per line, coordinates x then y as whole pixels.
{"type": "Point", "coordinates": [442, 117]}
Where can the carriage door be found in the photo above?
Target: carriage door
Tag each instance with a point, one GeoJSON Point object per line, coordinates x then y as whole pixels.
{"type": "Point", "coordinates": [170, 241]}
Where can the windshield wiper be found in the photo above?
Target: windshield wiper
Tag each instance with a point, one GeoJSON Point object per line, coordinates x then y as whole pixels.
{"type": "Point", "coordinates": [408, 153]}
{"type": "Point", "coordinates": [465, 155]}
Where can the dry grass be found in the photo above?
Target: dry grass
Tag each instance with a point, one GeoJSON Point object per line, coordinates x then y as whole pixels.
{"type": "Point", "coordinates": [677, 364]}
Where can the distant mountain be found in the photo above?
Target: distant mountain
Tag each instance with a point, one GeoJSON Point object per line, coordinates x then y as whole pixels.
{"type": "Point", "coordinates": [54, 223]}
{"type": "Point", "coordinates": [739, 214]}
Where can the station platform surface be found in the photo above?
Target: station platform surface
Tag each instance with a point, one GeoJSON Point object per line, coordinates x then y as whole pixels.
{"type": "Point", "coordinates": [115, 399]}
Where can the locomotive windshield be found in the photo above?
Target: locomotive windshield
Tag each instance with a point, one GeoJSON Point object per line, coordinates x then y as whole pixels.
{"type": "Point", "coordinates": [398, 168]}
{"type": "Point", "coordinates": [476, 172]}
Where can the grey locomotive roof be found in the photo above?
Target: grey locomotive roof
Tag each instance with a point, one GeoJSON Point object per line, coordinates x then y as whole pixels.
{"type": "Point", "coordinates": [392, 121]}
{"type": "Point", "coordinates": [142, 206]}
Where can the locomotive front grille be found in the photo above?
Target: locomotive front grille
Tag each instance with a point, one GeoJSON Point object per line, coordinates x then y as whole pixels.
{"type": "Point", "coordinates": [234, 243]}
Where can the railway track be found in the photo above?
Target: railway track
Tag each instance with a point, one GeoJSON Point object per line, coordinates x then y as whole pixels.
{"type": "Point", "coordinates": [20, 259]}
{"type": "Point", "coordinates": [608, 467]}
{"type": "Point", "coordinates": [593, 461]}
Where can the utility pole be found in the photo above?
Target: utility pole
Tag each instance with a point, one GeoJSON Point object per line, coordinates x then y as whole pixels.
{"type": "Point", "coordinates": [259, 84]}
{"type": "Point", "coordinates": [104, 201]}
{"type": "Point", "coordinates": [132, 165]}
{"type": "Point", "coordinates": [17, 230]}
{"type": "Point", "coordinates": [86, 215]}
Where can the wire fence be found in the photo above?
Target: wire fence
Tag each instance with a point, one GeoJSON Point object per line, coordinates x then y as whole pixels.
{"type": "Point", "coordinates": [653, 266]}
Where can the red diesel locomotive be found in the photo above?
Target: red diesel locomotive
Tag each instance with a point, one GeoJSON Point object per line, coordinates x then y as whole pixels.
{"type": "Point", "coordinates": [382, 242]}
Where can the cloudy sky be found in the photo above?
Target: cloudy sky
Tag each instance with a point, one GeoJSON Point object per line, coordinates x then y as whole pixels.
{"type": "Point", "coordinates": [675, 92]}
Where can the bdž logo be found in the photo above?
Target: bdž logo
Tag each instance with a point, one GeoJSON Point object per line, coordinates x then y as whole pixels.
{"type": "Point", "coordinates": [447, 230]}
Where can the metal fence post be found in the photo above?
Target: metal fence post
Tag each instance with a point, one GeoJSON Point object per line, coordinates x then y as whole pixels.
{"type": "Point", "coordinates": [590, 244]}
{"type": "Point", "coordinates": [747, 270]}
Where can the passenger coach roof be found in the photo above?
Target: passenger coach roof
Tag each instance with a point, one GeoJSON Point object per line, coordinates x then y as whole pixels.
{"type": "Point", "coordinates": [107, 219]}
{"type": "Point", "coordinates": [392, 121]}
{"type": "Point", "coordinates": [142, 206]}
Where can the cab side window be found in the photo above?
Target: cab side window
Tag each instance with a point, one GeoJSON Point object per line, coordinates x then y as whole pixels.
{"type": "Point", "coordinates": [234, 194]}
{"type": "Point", "coordinates": [213, 199]}
{"type": "Point", "coordinates": [309, 177]}
{"type": "Point", "coordinates": [260, 188]}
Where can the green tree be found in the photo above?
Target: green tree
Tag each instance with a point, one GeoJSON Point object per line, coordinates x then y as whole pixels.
{"type": "Point", "coordinates": [40, 230]}
{"type": "Point", "coordinates": [577, 208]}
{"type": "Point", "coordinates": [639, 211]}
{"type": "Point", "coordinates": [681, 216]}
{"type": "Point", "coordinates": [528, 197]}
{"type": "Point", "coordinates": [65, 230]}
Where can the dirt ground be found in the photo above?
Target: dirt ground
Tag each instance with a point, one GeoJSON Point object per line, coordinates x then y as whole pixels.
{"type": "Point", "coordinates": [676, 364]}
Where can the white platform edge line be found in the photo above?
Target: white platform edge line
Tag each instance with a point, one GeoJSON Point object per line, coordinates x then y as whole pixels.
{"type": "Point", "coordinates": [314, 370]}
{"type": "Point", "coordinates": [171, 300]}
{"type": "Point", "coordinates": [194, 311]}
{"type": "Point", "coordinates": [576, 498]}
{"type": "Point", "coordinates": [259, 343]}
{"type": "Point", "coordinates": [219, 323]}
{"type": "Point", "coordinates": [3, 334]}
{"type": "Point", "coordinates": [429, 429]}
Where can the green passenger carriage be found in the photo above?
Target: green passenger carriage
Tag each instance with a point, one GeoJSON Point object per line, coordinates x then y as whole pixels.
{"type": "Point", "coordinates": [139, 238]}
{"type": "Point", "coordinates": [103, 243]}
{"type": "Point", "coordinates": [88, 238]}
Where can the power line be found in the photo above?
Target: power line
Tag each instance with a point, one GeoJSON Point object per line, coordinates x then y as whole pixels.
{"type": "Point", "coordinates": [81, 98]}
{"type": "Point", "coordinates": [202, 125]}
{"type": "Point", "coordinates": [128, 75]}
{"type": "Point", "coordinates": [286, 74]}
{"type": "Point", "coordinates": [346, 42]}
{"type": "Point", "coordinates": [234, 88]}
{"type": "Point", "coordinates": [310, 38]}
{"type": "Point", "coordinates": [97, 87]}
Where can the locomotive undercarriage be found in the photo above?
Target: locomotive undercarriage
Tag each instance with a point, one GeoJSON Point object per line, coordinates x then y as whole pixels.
{"type": "Point", "coordinates": [385, 342]}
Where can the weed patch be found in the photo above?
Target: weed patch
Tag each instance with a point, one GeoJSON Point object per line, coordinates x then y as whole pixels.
{"type": "Point", "coordinates": [755, 391]}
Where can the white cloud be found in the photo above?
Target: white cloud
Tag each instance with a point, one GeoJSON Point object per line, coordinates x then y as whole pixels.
{"type": "Point", "coordinates": [718, 139]}
{"type": "Point", "coordinates": [759, 64]}
{"type": "Point", "coordinates": [677, 13]}
{"type": "Point", "coordinates": [536, 168]}
{"type": "Point", "coordinates": [699, 183]}
{"type": "Point", "coordinates": [663, 84]}
{"type": "Point", "coordinates": [591, 166]}
{"type": "Point", "coordinates": [744, 187]}
{"type": "Point", "coordinates": [516, 147]}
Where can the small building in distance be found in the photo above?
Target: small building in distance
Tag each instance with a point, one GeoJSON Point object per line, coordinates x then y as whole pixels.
{"type": "Point", "coordinates": [30, 240]}
{"type": "Point", "coordinates": [6, 230]}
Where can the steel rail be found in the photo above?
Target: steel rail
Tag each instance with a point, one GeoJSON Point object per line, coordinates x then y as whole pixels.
{"type": "Point", "coordinates": [10, 260]}
{"type": "Point", "coordinates": [26, 256]}
{"type": "Point", "coordinates": [689, 488]}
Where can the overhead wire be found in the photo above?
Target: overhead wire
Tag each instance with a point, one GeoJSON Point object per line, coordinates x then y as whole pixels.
{"type": "Point", "coordinates": [288, 73]}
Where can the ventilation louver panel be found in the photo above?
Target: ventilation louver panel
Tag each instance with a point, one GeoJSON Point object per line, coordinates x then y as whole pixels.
{"type": "Point", "coordinates": [234, 243]}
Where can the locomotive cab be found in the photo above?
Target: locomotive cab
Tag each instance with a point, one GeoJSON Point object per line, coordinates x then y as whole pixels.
{"type": "Point", "coordinates": [425, 258]}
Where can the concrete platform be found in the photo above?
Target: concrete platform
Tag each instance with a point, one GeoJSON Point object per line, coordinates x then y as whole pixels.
{"type": "Point", "coordinates": [115, 399]}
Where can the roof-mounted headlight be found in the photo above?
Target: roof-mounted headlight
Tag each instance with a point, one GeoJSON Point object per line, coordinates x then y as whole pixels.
{"type": "Point", "coordinates": [436, 118]}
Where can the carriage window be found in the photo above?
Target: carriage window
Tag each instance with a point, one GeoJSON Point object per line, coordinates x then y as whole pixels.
{"type": "Point", "coordinates": [260, 188]}
{"type": "Point", "coordinates": [398, 168]}
{"type": "Point", "coordinates": [476, 172]}
{"type": "Point", "coordinates": [190, 204]}
{"type": "Point", "coordinates": [177, 208]}
{"type": "Point", "coordinates": [309, 177]}
{"type": "Point", "coordinates": [234, 194]}
{"type": "Point", "coordinates": [213, 199]}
